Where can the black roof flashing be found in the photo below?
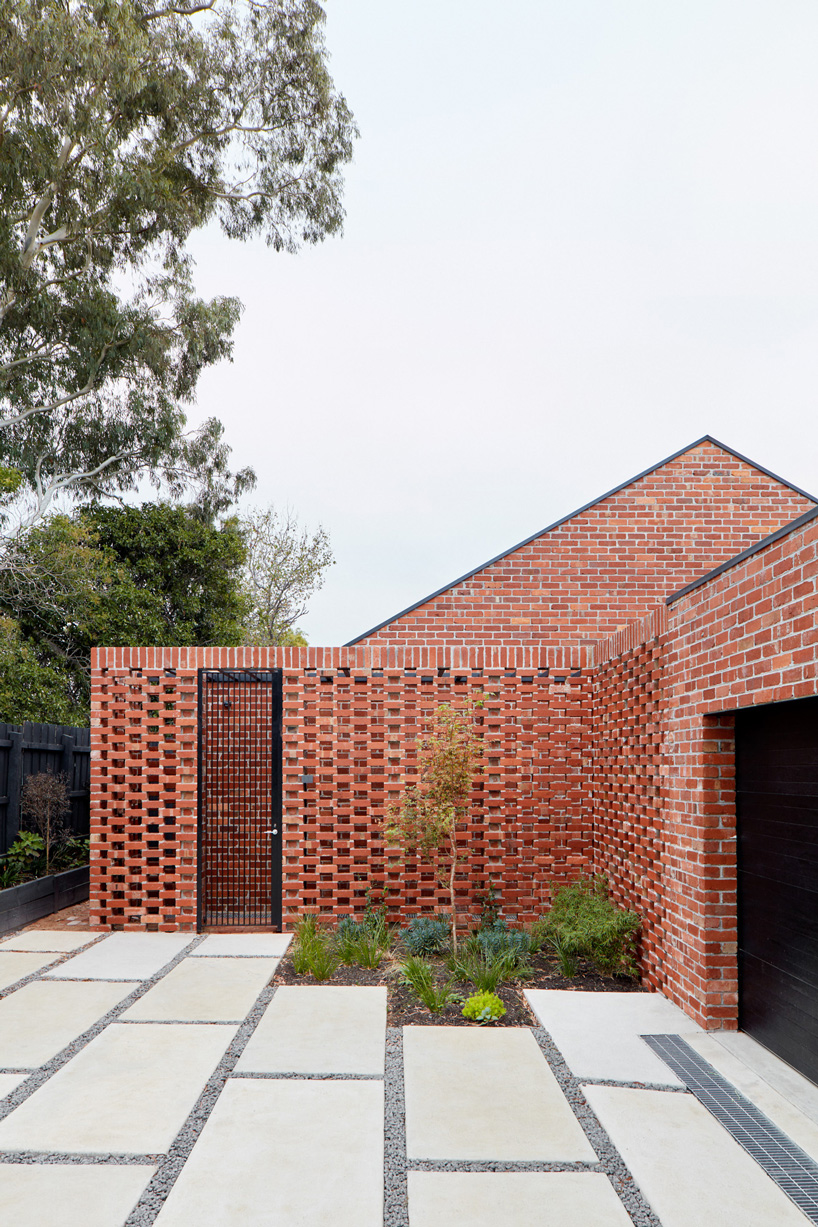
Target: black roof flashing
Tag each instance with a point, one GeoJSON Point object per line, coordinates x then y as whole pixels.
{"type": "Point", "coordinates": [593, 503]}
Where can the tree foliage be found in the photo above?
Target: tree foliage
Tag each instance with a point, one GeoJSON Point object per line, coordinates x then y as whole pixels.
{"type": "Point", "coordinates": [186, 572]}
{"type": "Point", "coordinates": [285, 566]}
{"type": "Point", "coordinates": [126, 125]}
{"type": "Point", "coordinates": [156, 574]}
{"type": "Point", "coordinates": [427, 821]}
{"type": "Point", "coordinates": [31, 687]}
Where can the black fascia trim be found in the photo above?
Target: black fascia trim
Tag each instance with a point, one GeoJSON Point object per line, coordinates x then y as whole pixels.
{"type": "Point", "coordinates": [564, 519]}
{"type": "Point", "coordinates": [753, 464]}
{"type": "Point", "coordinates": [748, 553]}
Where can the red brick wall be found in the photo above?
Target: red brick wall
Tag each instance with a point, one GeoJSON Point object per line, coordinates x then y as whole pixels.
{"type": "Point", "coordinates": [626, 767]}
{"type": "Point", "coordinates": [748, 636]}
{"type": "Point", "coordinates": [606, 566]}
{"type": "Point", "coordinates": [352, 719]}
{"type": "Point", "coordinates": [628, 757]}
{"type": "Point", "coordinates": [664, 765]}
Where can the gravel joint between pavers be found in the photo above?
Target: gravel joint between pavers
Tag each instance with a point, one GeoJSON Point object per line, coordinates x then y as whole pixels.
{"type": "Point", "coordinates": [632, 1086]}
{"type": "Point", "coordinates": [36, 975]}
{"type": "Point", "coordinates": [78, 1159]}
{"type": "Point", "coordinates": [610, 1160]}
{"type": "Point", "coordinates": [171, 1164]}
{"type": "Point", "coordinates": [301, 1077]}
{"type": "Point", "coordinates": [497, 1165]}
{"type": "Point", "coordinates": [41, 1075]}
{"type": "Point", "coordinates": [395, 1196]}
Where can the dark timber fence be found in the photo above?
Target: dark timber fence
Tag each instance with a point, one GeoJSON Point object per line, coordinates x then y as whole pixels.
{"type": "Point", "coordinates": [31, 748]}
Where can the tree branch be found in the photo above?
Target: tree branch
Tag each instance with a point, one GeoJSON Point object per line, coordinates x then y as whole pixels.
{"type": "Point", "coordinates": [178, 11]}
{"type": "Point", "coordinates": [30, 244]}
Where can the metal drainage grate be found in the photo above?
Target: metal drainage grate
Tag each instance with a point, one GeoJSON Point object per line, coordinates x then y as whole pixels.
{"type": "Point", "coordinates": [795, 1173]}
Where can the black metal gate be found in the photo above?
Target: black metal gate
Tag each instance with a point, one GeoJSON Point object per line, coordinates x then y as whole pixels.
{"type": "Point", "coordinates": [239, 797]}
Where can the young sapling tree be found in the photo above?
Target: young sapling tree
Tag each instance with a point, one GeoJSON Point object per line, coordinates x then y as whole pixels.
{"type": "Point", "coordinates": [44, 799]}
{"type": "Point", "coordinates": [428, 821]}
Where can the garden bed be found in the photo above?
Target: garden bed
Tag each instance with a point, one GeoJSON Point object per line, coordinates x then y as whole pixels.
{"type": "Point", "coordinates": [20, 905]}
{"type": "Point", "coordinates": [404, 1009]}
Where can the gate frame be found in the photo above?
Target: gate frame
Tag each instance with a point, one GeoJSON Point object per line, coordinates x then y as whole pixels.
{"type": "Point", "coordinates": [277, 793]}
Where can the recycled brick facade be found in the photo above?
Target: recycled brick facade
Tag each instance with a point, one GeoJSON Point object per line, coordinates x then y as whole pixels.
{"type": "Point", "coordinates": [745, 637]}
{"type": "Point", "coordinates": [612, 753]}
{"type": "Point", "coordinates": [629, 777]}
{"type": "Point", "coordinates": [352, 719]}
{"type": "Point", "coordinates": [605, 566]}
{"type": "Point", "coordinates": [664, 761]}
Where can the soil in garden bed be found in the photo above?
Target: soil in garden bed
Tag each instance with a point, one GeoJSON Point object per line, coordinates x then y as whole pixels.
{"type": "Point", "coordinates": [404, 1009]}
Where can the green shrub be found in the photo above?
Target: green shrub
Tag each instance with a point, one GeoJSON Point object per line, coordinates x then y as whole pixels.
{"type": "Point", "coordinates": [364, 942]}
{"type": "Point", "coordinates": [419, 975]}
{"type": "Point", "coordinates": [484, 1008]}
{"type": "Point", "coordinates": [306, 934]}
{"type": "Point", "coordinates": [427, 935]}
{"type": "Point", "coordinates": [567, 956]}
{"type": "Point", "coordinates": [26, 858]}
{"type": "Point", "coordinates": [485, 968]}
{"type": "Point", "coordinates": [583, 923]}
{"type": "Point", "coordinates": [321, 958]}
{"type": "Point", "coordinates": [496, 939]}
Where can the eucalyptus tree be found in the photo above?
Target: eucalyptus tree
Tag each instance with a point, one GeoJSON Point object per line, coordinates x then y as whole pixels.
{"type": "Point", "coordinates": [285, 564]}
{"type": "Point", "coordinates": [125, 127]}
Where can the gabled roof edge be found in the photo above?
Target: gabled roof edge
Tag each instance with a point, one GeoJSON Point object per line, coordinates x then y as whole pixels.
{"type": "Point", "coordinates": [586, 507]}
{"type": "Point", "coordinates": [784, 531]}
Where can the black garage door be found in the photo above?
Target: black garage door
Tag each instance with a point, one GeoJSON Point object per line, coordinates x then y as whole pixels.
{"type": "Point", "coordinates": [777, 803]}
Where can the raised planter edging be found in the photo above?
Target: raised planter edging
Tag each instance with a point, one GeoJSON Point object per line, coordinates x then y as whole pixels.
{"type": "Point", "coordinates": [20, 905]}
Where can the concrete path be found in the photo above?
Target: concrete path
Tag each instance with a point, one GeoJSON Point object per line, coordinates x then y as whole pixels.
{"type": "Point", "coordinates": [483, 1095]}
{"type": "Point", "coordinates": [159, 1078]}
{"type": "Point", "coordinates": [599, 1033]}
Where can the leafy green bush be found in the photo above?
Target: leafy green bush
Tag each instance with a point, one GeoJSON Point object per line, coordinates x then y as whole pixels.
{"type": "Point", "coordinates": [484, 1008]}
{"type": "Point", "coordinates": [583, 923]}
{"type": "Point", "coordinates": [26, 859]}
{"type": "Point", "coordinates": [419, 975]}
{"type": "Point", "coordinates": [426, 935]}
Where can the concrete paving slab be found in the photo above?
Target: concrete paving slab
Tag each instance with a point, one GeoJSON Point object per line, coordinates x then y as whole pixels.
{"type": "Point", "coordinates": [59, 1195]}
{"type": "Point", "coordinates": [285, 1154]}
{"type": "Point", "coordinates": [205, 990]}
{"type": "Point", "coordinates": [598, 1033]}
{"type": "Point", "coordinates": [781, 1076]}
{"type": "Point", "coordinates": [514, 1199]}
{"type": "Point", "coordinates": [688, 1167]}
{"type": "Point", "coordinates": [36, 940]}
{"type": "Point", "coordinates": [780, 1111]}
{"type": "Point", "coordinates": [482, 1095]}
{"type": "Point", "coordinates": [124, 956]}
{"type": "Point", "coordinates": [319, 1030]}
{"type": "Point", "coordinates": [243, 945]}
{"type": "Point", "coordinates": [42, 1017]}
{"type": "Point", "coordinates": [10, 1082]}
{"type": "Point", "coordinates": [128, 1091]}
{"type": "Point", "coordinates": [14, 966]}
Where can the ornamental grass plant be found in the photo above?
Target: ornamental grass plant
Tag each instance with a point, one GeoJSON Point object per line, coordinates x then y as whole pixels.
{"type": "Point", "coordinates": [584, 923]}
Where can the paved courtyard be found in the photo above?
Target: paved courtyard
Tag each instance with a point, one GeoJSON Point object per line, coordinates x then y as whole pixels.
{"type": "Point", "coordinates": [158, 1078]}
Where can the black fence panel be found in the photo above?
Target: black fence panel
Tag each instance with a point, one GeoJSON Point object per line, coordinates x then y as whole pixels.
{"type": "Point", "coordinates": [29, 749]}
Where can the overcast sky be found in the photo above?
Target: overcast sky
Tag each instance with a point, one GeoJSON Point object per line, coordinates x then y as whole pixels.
{"type": "Point", "coordinates": [580, 234]}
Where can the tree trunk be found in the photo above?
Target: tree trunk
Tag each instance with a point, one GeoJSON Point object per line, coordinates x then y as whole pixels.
{"type": "Point", "coordinates": [451, 891]}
